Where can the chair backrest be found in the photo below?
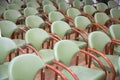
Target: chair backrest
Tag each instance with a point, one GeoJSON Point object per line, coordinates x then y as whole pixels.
{"type": "Point", "coordinates": [82, 22]}
{"type": "Point", "coordinates": [7, 28]}
{"type": "Point", "coordinates": [19, 2]}
{"type": "Point", "coordinates": [25, 67]}
{"type": "Point", "coordinates": [65, 50]}
{"type": "Point", "coordinates": [73, 12]}
{"type": "Point", "coordinates": [34, 21]}
{"type": "Point", "coordinates": [101, 18]}
{"type": "Point", "coordinates": [49, 8]}
{"type": "Point", "coordinates": [30, 11]}
{"type": "Point", "coordinates": [7, 46]}
{"type": "Point", "coordinates": [60, 28]}
{"type": "Point", "coordinates": [4, 3]}
{"type": "Point", "coordinates": [115, 31]}
{"type": "Point", "coordinates": [101, 6]}
{"type": "Point", "coordinates": [77, 4]}
{"type": "Point", "coordinates": [112, 4]}
{"type": "Point", "coordinates": [98, 40]}
{"type": "Point", "coordinates": [36, 37]}
{"type": "Point", "coordinates": [89, 9]}
{"type": "Point", "coordinates": [2, 10]}
{"type": "Point", "coordinates": [88, 2]}
{"type": "Point", "coordinates": [33, 4]}
{"type": "Point", "coordinates": [46, 2]}
{"type": "Point", "coordinates": [115, 13]}
{"type": "Point", "coordinates": [14, 6]}
{"type": "Point", "coordinates": [55, 16]}
{"type": "Point", "coordinates": [63, 6]}
{"type": "Point", "coordinates": [12, 15]}
{"type": "Point", "coordinates": [60, 1]}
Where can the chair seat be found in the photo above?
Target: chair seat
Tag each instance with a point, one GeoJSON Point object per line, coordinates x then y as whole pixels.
{"type": "Point", "coordinates": [80, 44]}
{"type": "Point", "coordinates": [84, 73]}
{"type": "Point", "coordinates": [47, 55]}
{"type": "Point", "coordinates": [113, 59]}
{"type": "Point", "coordinates": [19, 42]}
{"type": "Point", "coordinates": [4, 71]}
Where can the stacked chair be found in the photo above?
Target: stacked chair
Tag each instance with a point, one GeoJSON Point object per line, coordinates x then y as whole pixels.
{"type": "Point", "coordinates": [41, 35]}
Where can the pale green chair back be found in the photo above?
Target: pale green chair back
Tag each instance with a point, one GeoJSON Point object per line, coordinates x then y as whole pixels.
{"type": "Point", "coordinates": [101, 18]}
{"type": "Point", "coordinates": [30, 11]}
{"type": "Point", "coordinates": [112, 4]}
{"type": "Point", "coordinates": [63, 6]}
{"type": "Point", "coordinates": [82, 22]}
{"type": "Point", "coordinates": [12, 15]}
{"type": "Point", "coordinates": [115, 31]}
{"type": "Point", "coordinates": [101, 6]}
{"type": "Point", "coordinates": [46, 2]}
{"type": "Point", "coordinates": [33, 4]}
{"type": "Point", "coordinates": [7, 46]}
{"type": "Point", "coordinates": [14, 6]}
{"type": "Point", "coordinates": [36, 37]}
{"type": "Point", "coordinates": [98, 40]}
{"type": "Point", "coordinates": [49, 8]}
{"type": "Point", "coordinates": [77, 4]}
{"type": "Point", "coordinates": [115, 13]}
{"type": "Point", "coordinates": [55, 16]}
{"type": "Point", "coordinates": [65, 50]}
{"type": "Point", "coordinates": [60, 1]}
{"type": "Point", "coordinates": [34, 21]}
{"type": "Point", "coordinates": [89, 9]}
{"type": "Point", "coordinates": [88, 2]}
{"type": "Point", "coordinates": [2, 10]}
{"type": "Point", "coordinates": [60, 28]}
{"type": "Point", "coordinates": [19, 2]}
{"type": "Point", "coordinates": [73, 12]}
{"type": "Point", "coordinates": [7, 28]}
{"type": "Point", "coordinates": [25, 67]}
{"type": "Point", "coordinates": [4, 3]}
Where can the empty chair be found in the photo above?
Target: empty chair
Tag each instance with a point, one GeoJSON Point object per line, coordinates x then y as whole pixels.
{"type": "Point", "coordinates": [73, 12]}
{"type": "Point", "coordinates": [30, 11]}
{"type": "Point", "coordinates": [14, 6]}
{"type": "Point", "coordinates": [46, 2]}
{"type": "Point", "coordinates": [33, 4]}
{"type": "Point", "coordinates": [10, 30]}
{"type": "Point", "coordinates": [13, 15]}
{"type": "Point", "coordinates": [34, 21]}
{"type": "Point", "coordinates": [89, 2]}
{"type": "Point", "coordinates": [64, 48]}
{"type": "Point", "coordinates": [115, 13]}
{"type": "Point", "coordinates": [37, 38]}
{"type": "Point", "coordinates": [99, 44]}
{"type": "Point", "coordinates": [114, 33]}
{"type": "Point", "coordinates": [89, 9]}
{"type": "Point", "coordinates": [104, 19]}
{"type": "Point", "coordinates": [55, 16]}
{"type": "Point", "coordinates": [62, 7]}
{"type": "Point", "coordinates": [112, 4]}
{"type": "Point", "coordinates": [101, 7]}
{"type": "Point", "coordinates": [48, 8]}
{"type": "Point", "coordinates": [78, 4]}
{"type": "Point", "coordinates": [62, 29]}
{"type": "Point", "coordinates": [28, 65]}
{"type": "Point", "coordinates": [7, 46]}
